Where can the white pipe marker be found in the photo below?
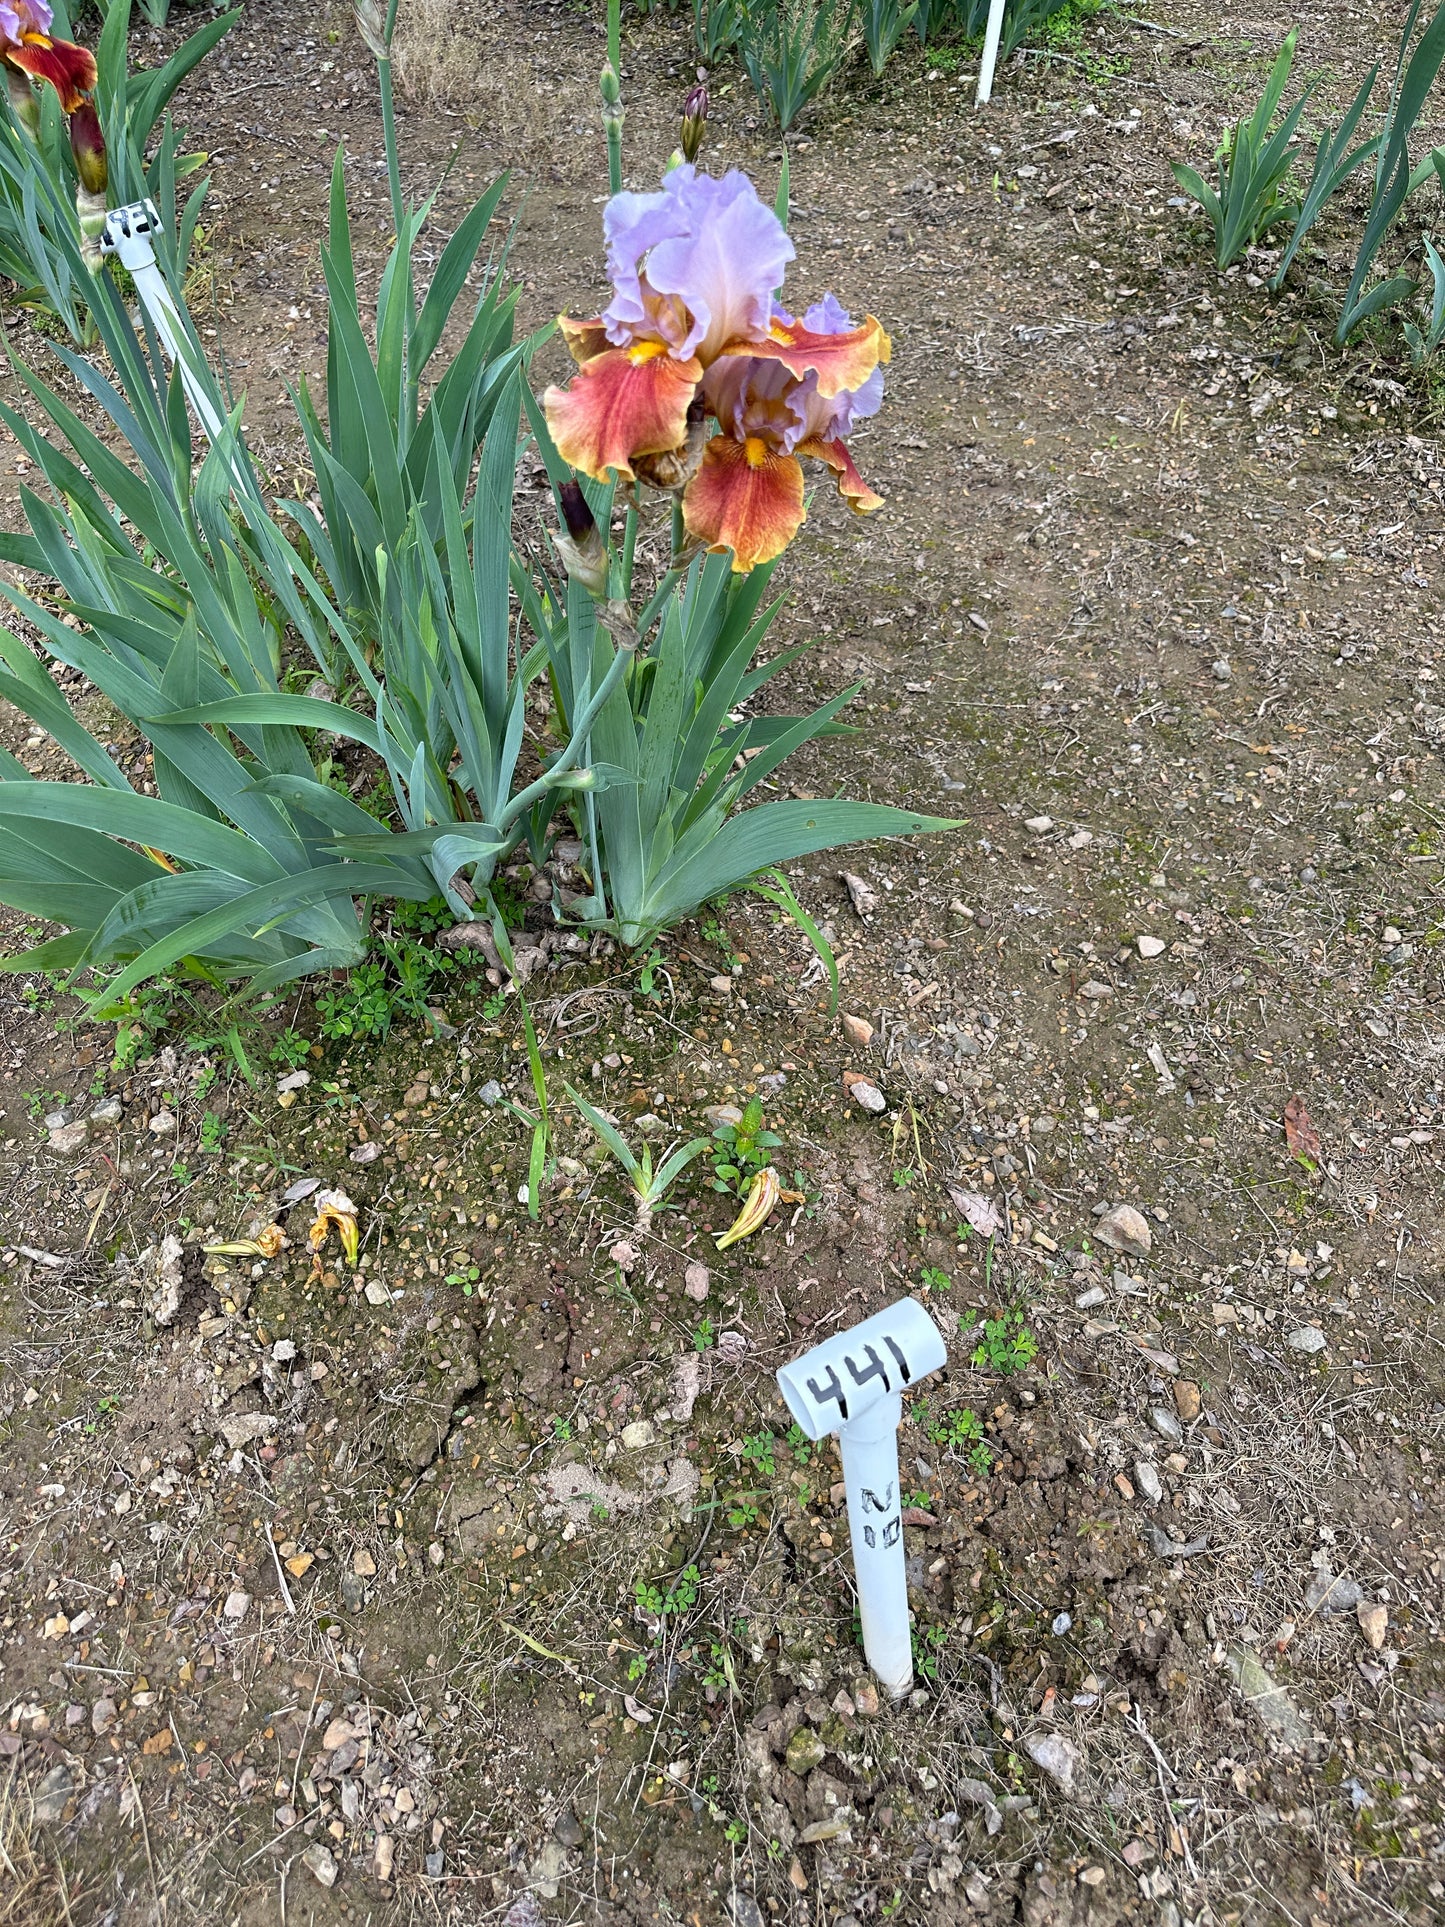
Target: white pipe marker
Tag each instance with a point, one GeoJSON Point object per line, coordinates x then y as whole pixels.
{"type": "Point", "coordinates": [851, 1384]}
{"type": "Point", "coordinates": [992, 34]}
{"type": "Point", "coordinates": [126, 235]}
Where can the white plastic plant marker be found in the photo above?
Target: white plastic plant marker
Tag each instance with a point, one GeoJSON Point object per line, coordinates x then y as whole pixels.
{"type": "Point", "coordinates": [127, 236]}
{"type": "Point", "coordinates": [852, 1384]}
{"type": "Point", "coordinates": [992, 34]}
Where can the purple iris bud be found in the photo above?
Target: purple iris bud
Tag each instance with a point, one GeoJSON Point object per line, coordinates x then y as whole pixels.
{"type": "Point", "coordinates": [694, 122]}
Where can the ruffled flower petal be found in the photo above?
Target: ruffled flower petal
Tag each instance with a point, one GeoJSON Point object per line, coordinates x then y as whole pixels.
{"type": "Point", "coordinates": [851, 486]}
{"type": "Point", "coordinates": [626, 402]}
{"type": "Point", "coordinates": [751, 397]}
{"type": "Point", "coordinates": [746, 497]}
{"type": "Point", "coordinates": [840, 363]}
{"type": "Point", "coordinates": [69, 69]}
{"type": "Point", "coordinates": [20, 17]}
{"type": "Point", "coordinates": [695, 263]}
{"type": "Point", "coordinates": [584, 339]}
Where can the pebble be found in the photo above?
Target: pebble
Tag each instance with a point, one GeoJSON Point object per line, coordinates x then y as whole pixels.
{"type": "Point", "coordinates": [856, 1029]}
{"type": "Point", "coordinates": [1095, 1295]}
{"type": "Point", "coordinates": [322, 1863]}
{"type": "Point", "coordinates": [1150, 947]}
{"type": "Point", "coordinates": [1122, 1228]}
{"type": "Point", "coordinates": [639, 1434]}
{"type": "Point", "coordinates": [70, 1138]}
{"type": "Point", "coordinates": [416, 1094]}
{"type": "Point", "coordinates": [864, 1094]}
{"type": "Point", "coordinates": [363, 1564]}
{"type": "Point", "coordinates": [366, 1153]}
{"type": "Point", "coordinates": [1374, 1624]}
{"type": "Point", "coordinates": [1038, 825]}
{"type": "Point", "coordinates": [865, 1698]}
{"type": "Point", "coordinates": [383, 1857]}
{"type": "Point", "coordinates": [163, 1124]}
{"type": "Point", "coordinates": [1146, 1477]}
{"type": "Point", "coordinates": [377, 1293]}
{"type": "Point", "coordinates": [1221, 670]}
{"type": "Point", "coordinates": [490, 1093]}
{"type": "Point", "coordinates": [1309, 1338]}
{"type": "Point", "coordinates": [293, 1081]}
{"type": "Point", "coordinates": [1063, 1622]}
{"type": "Point", "coordinates": [695, 1281]}
{"type": "Point", "coordinates": [805, 1751]}
{"type": "Point", "coordinates": [106, 1112]}
{"type": "Point", "coordinates": [237, 1605]}
{"type": "Point", "coordinates": [1327, 1594]}
{"type": "Point", "coordinates": [1166, 1424]}
{"type": "Point", "coordinates": [722, 985]}
{"type": "Point", "coordinates": [283, 1351]}
{"type": "Point", "coordinates": [1188, 1401]}
{"type": "Point", "coordinates": [1059, 1758]}
{"type": "Point", "coordinates": [337, 1734]}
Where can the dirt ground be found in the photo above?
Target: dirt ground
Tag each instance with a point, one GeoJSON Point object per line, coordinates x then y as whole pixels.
{"type": "Point", "coordinates": [482, 1583]}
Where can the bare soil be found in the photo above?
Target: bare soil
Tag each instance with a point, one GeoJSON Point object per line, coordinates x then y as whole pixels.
{"type": "Point", "coordinates": [355, 1577]}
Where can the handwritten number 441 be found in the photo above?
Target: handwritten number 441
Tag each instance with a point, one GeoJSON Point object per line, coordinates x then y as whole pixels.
{"type": "Point", "coordinates": [832, 1390]}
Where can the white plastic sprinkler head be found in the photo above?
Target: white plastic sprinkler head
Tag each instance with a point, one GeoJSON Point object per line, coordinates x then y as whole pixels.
{"type": "Point", "coordinates": [852, 1384]}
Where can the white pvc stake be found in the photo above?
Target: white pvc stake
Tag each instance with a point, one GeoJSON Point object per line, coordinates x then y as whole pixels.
{"type": "Point", "coordinates": [851, 1384]}
{"type": "Point", "coordinates": [992, 34]}
{"type": "Point", "coordinates": [126, 235]}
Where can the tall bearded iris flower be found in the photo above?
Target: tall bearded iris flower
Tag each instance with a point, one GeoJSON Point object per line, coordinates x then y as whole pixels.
{"type": "Point", "coordinates": [26, 48]}
{"type": "Point", "coordinates": [748, 494]}
{"type": "Point", "coordinates": [693, 330]}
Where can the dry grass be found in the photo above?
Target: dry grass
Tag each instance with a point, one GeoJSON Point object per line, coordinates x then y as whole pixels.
{"type": "Point", "coordinates": [29, 1896]}
{"type": "Point", "coordinates": [450, 59]}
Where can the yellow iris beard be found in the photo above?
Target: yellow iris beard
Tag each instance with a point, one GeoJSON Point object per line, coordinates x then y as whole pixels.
{"type": "Point", "coordinates": [756, 450]}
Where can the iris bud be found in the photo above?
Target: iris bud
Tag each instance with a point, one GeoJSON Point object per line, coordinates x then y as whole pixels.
{"type": "Point", "coordinates": [583, 552]}
{"type": "Point", "coordinates": [694, 123]}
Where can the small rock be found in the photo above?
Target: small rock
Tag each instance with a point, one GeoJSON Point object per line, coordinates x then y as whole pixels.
{"type": "Point", "coordinates": [163, 1124]}
{"type": "Point", "coordinates": [805, 1751]}
{"type": "Point", "coordinates": [651, 1125]}
{"type": "Point", "coordinates": [322, 1863]}
{"type": "Point", "coordinates": [436, 1866]}
{"type": "Point", "coordinates": [1146, 1478]}
{"type": "Point", "coordinates": [719, 1114]}
{"type": "Point", "coordinates": [1165, 1424]}
{"type": "Point", "coordinates": [102, 1716]}
{"type": "Point", "coordinates": [1309, 1338]}
{"type": "Point", "coordinates": [52, 1794]}
{"type": "Point", "coordinates": [1087, 1300]}
{"type": "Point", "coordinates": [70, 1138]}
{"type": "Point", "coordinates": [567, 1829]}
{"type": "Point", "coordinates": [293, 1081]}
{"type": "Point", "coordinates": [1187, 1400]}
{"type": "Point", "coordinates": [164, 1282]}
{"type": "Point", "coordinates": [376, 1292]}
{"type": "Point", "coordinates": [837, 1827]}
{"type": "Point", "coordinates": [1374, 1624]}
{"type": "Point", "coordinates": [337, 1734]}
{"type": "Point", "coordinates": [744, 1909]}
{"type": "Point", "coordinates": [1268, 1699]}
{"type": "Point", "coordinates": [1091, 1877]}
{"type": "Point", "coordinates": [695, 1282]}
{"type": "Point", "coordinates": [363, 1564]}
{"type": "Point", "coordinates": [384, 1856]}
{"type": "Point", "coordinates": [863, 896]}
{"type": "Point", "coordinates": [106, 1112]}
{"type": "Point", "coordinates": [638, 1435]}
{"type": "Point", "coordinates": [857, 1030]}
{"type": "Point", "coordinates": [237, 1605]}
{"type": "Point", "coordinates": [416, 1094]}
{"type": "Point", "coordinates": [283, 1351]}
{"type": "Point", "coordinates": [723, 986]}
{"type": "Point", "coordinates": [366, 1153]}
{"type": "Point", "coordinates": [865, 1698]}
{"type": "Point", "coordinates": [866, 1095]}
{"type": "Point", "coordinates": [240, 1429]}
{"type": "Point", "coordinates": [1150, 947]}
{"type": "Point", "coordinates": [625, 1256]}
{"type": "Point", "coordinates": [1327, 1594]}
{"type": "Point", "coordinates": [1063, 1622]}
{"type": "Point", "coordinates": [490, 1093]}
{"type": "Point", "coordinates": [1038, 825]}
{"type": "Point", "coordinates": [1122, 1228]}
{"type": "Point", "coordinates": [1221, 670]}
{"type": "Point", "coordinates": [1059, 1758]}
